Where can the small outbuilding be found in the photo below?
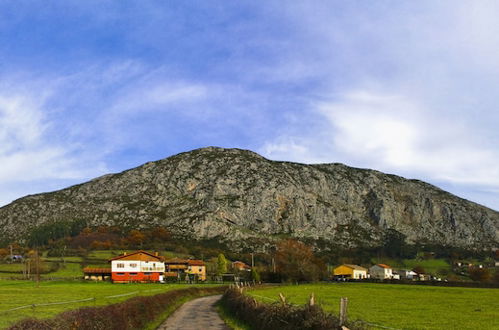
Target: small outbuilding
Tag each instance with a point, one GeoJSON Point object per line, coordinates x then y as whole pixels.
{"type": "Point", "coordinates": [408, 274]}
{"type": "Point", "coordinates": [97, 274]}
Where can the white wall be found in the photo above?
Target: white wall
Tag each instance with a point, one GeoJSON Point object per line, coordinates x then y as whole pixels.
{"type": "Point", "coordinates": [140, 266]}
{"type": "Point", "coordinates": [359, 274]}
{"type": "Point", "coordinates": [380, 272]}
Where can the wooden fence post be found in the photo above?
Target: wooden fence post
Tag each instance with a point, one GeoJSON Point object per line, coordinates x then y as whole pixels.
{"type": "Point", "coordinates": [343, 310]}
{"type": "Point", "coordinates": [283, 299]}
{"type": "Point", "coordinates": [312, 300]}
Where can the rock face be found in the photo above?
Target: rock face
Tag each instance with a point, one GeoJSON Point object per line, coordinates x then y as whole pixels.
{"type": "Point", "coordinates": [233, 195]}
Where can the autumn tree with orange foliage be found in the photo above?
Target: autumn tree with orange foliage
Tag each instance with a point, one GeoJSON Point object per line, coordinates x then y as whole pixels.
{"type": "Point", "coordinates": [296, 261]}
{"type": "Point", "coordinates": [135, 238]}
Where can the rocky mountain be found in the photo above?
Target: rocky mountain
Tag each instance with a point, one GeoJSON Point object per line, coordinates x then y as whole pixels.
{"type": "Point", "coordinates": [235, 195]}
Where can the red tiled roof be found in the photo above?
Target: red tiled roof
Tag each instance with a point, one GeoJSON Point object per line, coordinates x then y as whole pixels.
{"type": "Point", "coordinates": [176, 261]}
{"type": "Point", "coordinates": [193, 262]}
{"type": "Point", "coordinates": [90, 270]}
{"type": "Point", "coordinates": [126, 255]}
{"type": "Point", "coordinates": [190, 262]}
{"type": "Point", "coordinates": [240, 264]}
{"type": "Point", "coordinates": [384, 266]}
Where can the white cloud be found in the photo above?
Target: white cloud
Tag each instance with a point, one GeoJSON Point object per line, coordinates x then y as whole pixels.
{"type": "Point", "coordinates": [408, 89]}
{"type": "Point", "coordinates": [28, 153]}
{"type": "Point", "coordinates": [394, 134]}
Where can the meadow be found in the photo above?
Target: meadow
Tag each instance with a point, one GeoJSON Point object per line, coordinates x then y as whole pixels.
{"type": "Point", "coordinates": [400, 306]}
{"type": "Point", "coordinates": [17, 293]}
{"type": "Point", "coordinates": [69, 267]}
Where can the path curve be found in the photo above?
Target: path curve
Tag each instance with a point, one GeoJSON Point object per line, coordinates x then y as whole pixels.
{"type": "Point", "coordinates": [196, 314]}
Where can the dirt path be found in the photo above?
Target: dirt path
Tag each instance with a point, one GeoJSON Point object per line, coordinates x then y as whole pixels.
{"type": "Point", "coordinates": [196, 314]}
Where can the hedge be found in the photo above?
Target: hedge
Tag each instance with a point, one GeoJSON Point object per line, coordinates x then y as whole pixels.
{"type": "Point", "coordinates": [280, 316]}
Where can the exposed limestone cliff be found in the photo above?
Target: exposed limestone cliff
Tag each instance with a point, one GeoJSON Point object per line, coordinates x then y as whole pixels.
{"type": "Point", "coordinates": [234, 194]}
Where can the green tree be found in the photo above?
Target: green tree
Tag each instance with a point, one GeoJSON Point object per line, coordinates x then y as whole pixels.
{"type": "Point", "coordinates": [255, 276]}
{"type": "Point", "coordinates": [221, 264]}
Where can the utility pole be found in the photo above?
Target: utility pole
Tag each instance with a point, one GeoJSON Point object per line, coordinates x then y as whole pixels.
{"type": "Point", "coordinates": [273, 264]}
{"type": "Point", "coordinates": [37, 269]}
{"type": "Point", "coordinates": [252, 260]}
{"type": "Point", "coordinates": [11, 254]}
{"type": "Point", "coordinates": [63, 253]}
{"type": "Point", "coordinates": [27, 265]}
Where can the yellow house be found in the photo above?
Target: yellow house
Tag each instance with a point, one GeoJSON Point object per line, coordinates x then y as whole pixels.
{"type": "Point", "coordinates": [197, 267]}
{"type": "Point", "coordinates": [350, 272]}
{"type": "Point", "coordinates": [178, 268]}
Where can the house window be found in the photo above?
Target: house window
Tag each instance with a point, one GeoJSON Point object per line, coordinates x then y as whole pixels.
{"type": "Point", "coordinates": [120, 265]}
{"type": "Point", "coordinates": [147, 273]}
{"type": "Point", "coordinates": [133, 265]}
{"type": "Point", "coordinates": [200, 269]}
{"type": "Point", "coordinates": [133, 274]}
{"type": "Point", "coordinates": [120, 274]}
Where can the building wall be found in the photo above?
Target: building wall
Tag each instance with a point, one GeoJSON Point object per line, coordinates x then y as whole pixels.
{"type": "Point", "coordinates": [125, 277]}
{"type": "Point", "coordinates": [132, 266]}
{"type": "Point", "coordinates": [359, 274]}
{"type": "Point", "coordinates": [198, 270]}
{"type": "Point", "coordinates": [343, 270]}
{"type": "Point", "coordinates": [380, 272]}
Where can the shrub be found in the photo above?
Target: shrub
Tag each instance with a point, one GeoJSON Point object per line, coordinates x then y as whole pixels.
{"type": "Point", "coordinates": [279, 316]}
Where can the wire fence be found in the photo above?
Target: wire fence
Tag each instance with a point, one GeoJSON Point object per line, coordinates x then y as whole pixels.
{"type": "Point", "coordinates": [78, 301]}
{"type": "Point", "coordinates": [322, 303]}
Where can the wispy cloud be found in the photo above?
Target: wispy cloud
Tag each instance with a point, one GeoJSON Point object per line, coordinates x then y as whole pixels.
{"type": "Point", "coordinates": [406, 87]}
{"type": "Point", "coordinates": [28, 153]}
{"type": "Point", "coordinates": [405, 95]}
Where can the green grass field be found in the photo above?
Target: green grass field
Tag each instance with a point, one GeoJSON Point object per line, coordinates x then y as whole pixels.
{"type": "Point", "coordinates": [70, 267]}
{"type": "Point", "coordinates": [18, 293]}
{"type": "Point", "coordinates": [401, 306]}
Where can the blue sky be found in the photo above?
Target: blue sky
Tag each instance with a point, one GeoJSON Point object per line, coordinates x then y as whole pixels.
{"type": "Point", "coordinates": [404, 87]}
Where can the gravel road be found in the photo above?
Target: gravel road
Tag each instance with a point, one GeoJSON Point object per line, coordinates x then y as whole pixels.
{"type": "Point", "coordinates": [196, 314]}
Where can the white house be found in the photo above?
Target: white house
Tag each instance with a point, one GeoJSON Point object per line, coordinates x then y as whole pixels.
{"type": "Point", "coordinates": [381, 271]}
{"type": "Point", "coordinates": [140, 266]}
{"type": "Point", "coordinates": [408, 274]}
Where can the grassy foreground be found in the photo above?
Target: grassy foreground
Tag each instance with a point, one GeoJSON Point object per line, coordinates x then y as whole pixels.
{"type": "Point", "coordinates": [400, 306]}
{"type": "Point", "coordinates": [18, 293]}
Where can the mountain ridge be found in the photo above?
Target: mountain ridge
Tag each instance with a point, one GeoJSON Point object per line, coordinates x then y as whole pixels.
{"type": "Point", "coordinates": [235, 195]}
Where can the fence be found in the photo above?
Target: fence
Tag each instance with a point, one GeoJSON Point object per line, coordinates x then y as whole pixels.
{"type": "Point", "coordinates": [94, 299]}
{"type": "Point", "coordinates": [342, 312]}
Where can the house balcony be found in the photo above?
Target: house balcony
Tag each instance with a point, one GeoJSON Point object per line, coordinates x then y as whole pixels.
{"type": "Point", "coordinates": [152, 269]}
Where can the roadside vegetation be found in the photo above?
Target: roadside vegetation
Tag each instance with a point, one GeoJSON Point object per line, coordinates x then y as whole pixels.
{"type": "Point", "coordinates": [145, 312]}
{"type": "Point", "coordinates": [17, 293]}
{"type": "Point", "coordinates": [398, 306]}
{"type": "Point", "coordinates": [280, 315]}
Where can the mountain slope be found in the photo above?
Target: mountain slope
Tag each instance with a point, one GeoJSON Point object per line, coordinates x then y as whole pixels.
{"type": "Point", "coordinates": [234, 194]}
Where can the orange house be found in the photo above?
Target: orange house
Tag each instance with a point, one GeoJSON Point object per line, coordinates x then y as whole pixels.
{"type": "Point", "coordinates": [139, 266]}
{"type": "Point", "coordinates": [241, 266]}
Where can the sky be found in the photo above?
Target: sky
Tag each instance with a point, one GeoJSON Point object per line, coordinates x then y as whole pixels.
{"type": "Point", "coordinates": [404, 87]}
